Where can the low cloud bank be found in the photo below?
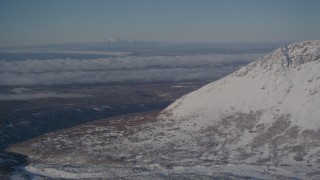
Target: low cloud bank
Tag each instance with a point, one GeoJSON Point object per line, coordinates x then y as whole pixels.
{"type": "Point", "coordinates": [120, 69]}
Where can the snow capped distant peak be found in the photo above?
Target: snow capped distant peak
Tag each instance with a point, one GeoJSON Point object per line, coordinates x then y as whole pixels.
{"type": "Point", "coordinates": [117, 40]}
{"type": "Point", "coordinates": [284, 58]}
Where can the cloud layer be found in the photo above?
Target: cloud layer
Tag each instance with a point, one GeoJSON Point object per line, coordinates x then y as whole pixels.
{"type": "Point", "coordinates": [120, 69]}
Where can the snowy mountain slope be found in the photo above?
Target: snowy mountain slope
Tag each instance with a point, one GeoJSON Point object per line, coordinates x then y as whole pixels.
{"type": "Point", "coordinates": [286, 81]}
{"type": "Point", "coordinates": [265, 113]}
{"type": "Point", "coordinates": [270, 105]}
{"type": "Point", "coordinates": [261, 121]}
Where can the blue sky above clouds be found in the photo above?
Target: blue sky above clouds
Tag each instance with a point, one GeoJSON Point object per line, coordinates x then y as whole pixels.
{"type": "Point", "coordinates": [37, 21]}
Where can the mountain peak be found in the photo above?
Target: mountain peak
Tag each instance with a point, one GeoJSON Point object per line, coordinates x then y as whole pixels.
{"type": "Point", "coordinates": [279, 82]}
{"type": "Point", "coordinates": [297, 53]}
{"type": "Point", "coordinates": [284, 58]}
{"type": "Point", "coordinates": [258, 115]}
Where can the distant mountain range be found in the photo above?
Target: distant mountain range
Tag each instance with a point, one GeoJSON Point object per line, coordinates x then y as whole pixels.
{"type": "Point", "coordinates": [121, 44]}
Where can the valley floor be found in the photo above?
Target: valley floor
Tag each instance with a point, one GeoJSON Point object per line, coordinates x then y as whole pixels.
{"type": "Point", "coordinates": [27, 112]}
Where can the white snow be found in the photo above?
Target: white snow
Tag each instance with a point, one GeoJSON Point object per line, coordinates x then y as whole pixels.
{"type": "Point", "coordinates": [268, 84]}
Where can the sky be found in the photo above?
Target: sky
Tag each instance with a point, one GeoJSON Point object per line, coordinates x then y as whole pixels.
{"type": "Point", "coordinates": [44, 21]}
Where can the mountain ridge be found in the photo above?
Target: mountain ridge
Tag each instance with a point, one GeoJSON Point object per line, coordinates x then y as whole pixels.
{"type": "Point", "coordinates": [268, 73]}
{"type": "Point", "coordinates": [290, 56]}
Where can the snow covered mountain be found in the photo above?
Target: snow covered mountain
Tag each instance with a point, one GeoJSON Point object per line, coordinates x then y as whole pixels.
{"type": "Point", "coordinates": [260, 121]}
{"type": "Point", "coordinates": [283, 82]}
{"type": "Point", "coordinates": [265, 113]}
